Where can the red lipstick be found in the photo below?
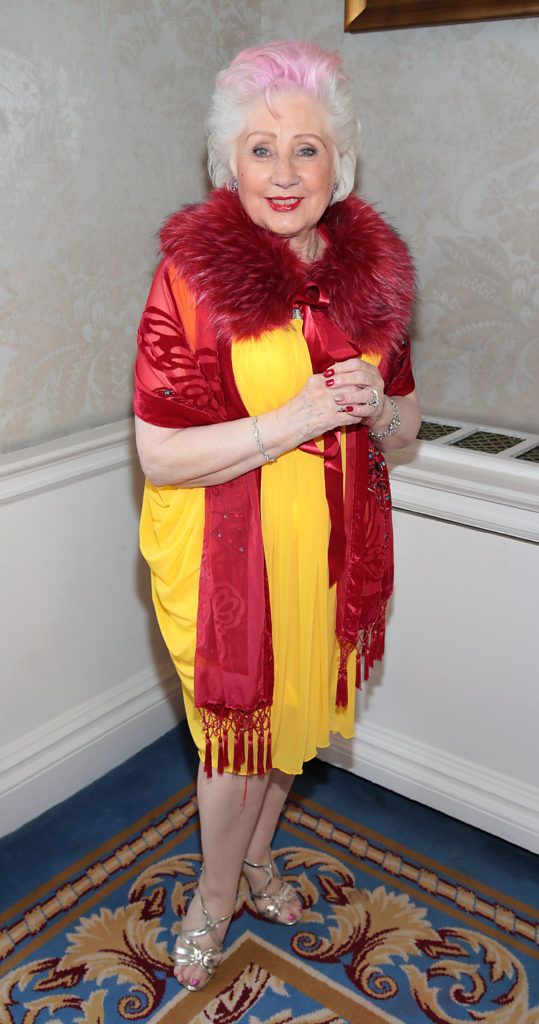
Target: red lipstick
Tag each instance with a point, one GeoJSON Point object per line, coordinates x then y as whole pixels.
{"type": "Point", "coordinates": [284, 204]}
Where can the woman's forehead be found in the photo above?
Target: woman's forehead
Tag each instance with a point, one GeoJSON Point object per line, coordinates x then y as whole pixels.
{"type": "Point", "coordinates": [291, 113]}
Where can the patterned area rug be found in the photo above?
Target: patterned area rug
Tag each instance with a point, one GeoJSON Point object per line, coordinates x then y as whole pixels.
{"type": "Point", "coordinates": [386, 936]}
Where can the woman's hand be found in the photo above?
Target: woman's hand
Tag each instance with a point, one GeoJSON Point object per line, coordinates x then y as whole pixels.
{"type": "Point", "coordinates": [348, 392]}
{"type": "Point", "coordinates": [359, 388]}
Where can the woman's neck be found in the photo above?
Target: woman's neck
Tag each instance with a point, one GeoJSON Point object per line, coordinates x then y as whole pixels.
{"type": "Point", "coordinates": [308, 247]}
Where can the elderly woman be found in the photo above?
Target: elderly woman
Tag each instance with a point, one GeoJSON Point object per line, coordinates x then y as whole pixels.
{"type": "Point", "coordinates": [273, 373]}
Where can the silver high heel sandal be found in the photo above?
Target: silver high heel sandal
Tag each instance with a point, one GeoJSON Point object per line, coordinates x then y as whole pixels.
{"type": "Point", "coordinates": [277, 900]}
{"type": "Point", "coordinates": [188, 953]}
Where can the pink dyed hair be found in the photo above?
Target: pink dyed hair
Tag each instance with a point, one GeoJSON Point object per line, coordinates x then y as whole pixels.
{"type": "Point", "coordinates": [289, 66]}
{"type": "Point", "coordinates": [285, 65]}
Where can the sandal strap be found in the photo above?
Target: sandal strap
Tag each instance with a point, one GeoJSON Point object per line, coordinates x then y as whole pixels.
{"type": "Point", "coordinates": [188, 953]}
{"type": "Point", "coordinates": [251, 864]}
{"type": "Point", "coordinates": [211, 923]}
{"type": "Point", "coordinates": [284, 895]}
{"type": "Point", "coordinates": [269, 868]}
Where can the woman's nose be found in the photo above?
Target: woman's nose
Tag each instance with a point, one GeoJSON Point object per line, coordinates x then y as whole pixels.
{"type": "Point", "coordinates": [284, 173]}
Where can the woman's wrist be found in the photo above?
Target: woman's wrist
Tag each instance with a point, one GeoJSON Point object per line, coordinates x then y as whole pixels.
{"type": "Point", "coordinates": [277, 432]}
{"type": "Point", "coordinates": [382, 419]}
{"type": "Point", "coordinates": [291, 423]}
{"type": "Point", "coordinates": [260, 444]}
{"type": "Point", "coordinates": [384, 430]}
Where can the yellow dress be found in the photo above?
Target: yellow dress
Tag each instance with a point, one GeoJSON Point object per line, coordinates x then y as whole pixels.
{"type": "Point", "coordinates": [295, 529]}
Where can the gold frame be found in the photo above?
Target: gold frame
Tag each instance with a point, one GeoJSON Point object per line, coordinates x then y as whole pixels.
{"type": "Point", "coordinates": [373, 15]}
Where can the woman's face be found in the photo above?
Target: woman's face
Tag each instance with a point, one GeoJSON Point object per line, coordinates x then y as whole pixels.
{"type": "Point", "coordinates": [285, 164]}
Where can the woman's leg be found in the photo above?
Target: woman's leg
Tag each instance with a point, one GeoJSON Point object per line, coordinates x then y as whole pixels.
{"type": "Point", "coordinates": [228, 812]}
{"type": "Point", "coordinates": [259, 849]}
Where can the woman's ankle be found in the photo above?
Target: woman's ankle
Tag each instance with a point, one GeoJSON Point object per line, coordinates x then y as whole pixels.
{"type": "Point", "coordinates": [219, 895]}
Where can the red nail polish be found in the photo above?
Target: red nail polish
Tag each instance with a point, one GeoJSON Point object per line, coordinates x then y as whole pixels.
{"type": "Point", "coordinates": [349, 408]}
{"type": "Point", "coordinates": [329, 383]}
{"type": "Point", "coordinates": [329, 373]}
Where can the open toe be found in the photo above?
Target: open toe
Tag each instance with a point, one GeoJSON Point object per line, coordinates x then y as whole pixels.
{"type": "Point", "coordinates": [282, 905]}
{"type": "Point", "coordinates": [201, 960]}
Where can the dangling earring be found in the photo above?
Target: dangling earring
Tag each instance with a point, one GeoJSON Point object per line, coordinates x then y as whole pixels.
{"type": "Point", "coordinates": [334, 189]}
{"type": "Point", "coordinates": [233, 185]}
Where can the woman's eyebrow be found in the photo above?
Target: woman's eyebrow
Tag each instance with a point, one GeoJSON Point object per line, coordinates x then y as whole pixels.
{"type": "Point", "coordinates": [311, 135]}
{"type": "Point", "coordinates": [300, 135]}
{"type": "Point", "coordinates": [259, 132]}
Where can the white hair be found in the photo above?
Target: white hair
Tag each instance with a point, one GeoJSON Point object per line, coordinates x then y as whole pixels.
{"type": "Point", "coordinates": [285, 66]}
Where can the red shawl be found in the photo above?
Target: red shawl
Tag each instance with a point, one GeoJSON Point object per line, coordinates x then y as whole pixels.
{"type": "Point", "coordinates": [355, 299]}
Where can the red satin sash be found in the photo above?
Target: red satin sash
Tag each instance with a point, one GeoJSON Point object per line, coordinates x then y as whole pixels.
{"type": "Point", "coordinates": [327, 345]}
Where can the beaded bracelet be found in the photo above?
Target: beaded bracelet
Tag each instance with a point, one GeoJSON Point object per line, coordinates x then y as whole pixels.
{"type": "Point", "coordinates": [262, 450]}
{"type": "Point", "coordinates": [394, 424]}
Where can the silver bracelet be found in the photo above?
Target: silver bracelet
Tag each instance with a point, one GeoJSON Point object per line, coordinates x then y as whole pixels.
{"type": "Point", "coordinates": [262, 450]}
{"type": "Point", "coordinates": [393, 425]}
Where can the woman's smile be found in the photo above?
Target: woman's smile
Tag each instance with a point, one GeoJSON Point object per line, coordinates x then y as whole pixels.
{"type": "Point", "coordinates": [284, 204]}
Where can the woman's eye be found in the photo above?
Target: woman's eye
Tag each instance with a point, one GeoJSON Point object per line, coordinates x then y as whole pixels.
{"type": "Point", "coordinates": [261, 151]}
{"type": "Point", "coordinates": [307, 151]}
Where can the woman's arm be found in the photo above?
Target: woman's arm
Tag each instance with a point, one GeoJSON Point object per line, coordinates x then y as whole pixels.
{"type": "Point", "coordinates": [214, 454]}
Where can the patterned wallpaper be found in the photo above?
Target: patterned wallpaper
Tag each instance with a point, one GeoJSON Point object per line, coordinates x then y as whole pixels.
{"type": "Point", "coordinates": [101, 111]}
{"type": "Point", "coordinates": [450, 119]}
{"type": "Point", "coordinates": [101, 136]}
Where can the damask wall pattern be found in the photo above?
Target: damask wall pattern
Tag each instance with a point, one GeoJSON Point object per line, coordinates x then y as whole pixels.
{"type": "Point", "coordinates": [101, 136]}
{"type": "Point", "coordinates": [450, 119]}
{"type": "Point", "coordinates": [102, 105]}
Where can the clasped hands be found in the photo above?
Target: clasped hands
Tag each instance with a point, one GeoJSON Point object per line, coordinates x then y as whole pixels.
{"type": "Point", "coordinates": [345, 394]}
{"type": "Point", "coordinates": [357, 389]}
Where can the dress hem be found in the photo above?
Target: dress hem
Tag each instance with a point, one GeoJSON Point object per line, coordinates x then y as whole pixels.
{"type": "Point", "coordinates": [308, 757]}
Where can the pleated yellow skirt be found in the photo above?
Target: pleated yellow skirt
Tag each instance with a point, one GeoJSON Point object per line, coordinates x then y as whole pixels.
{"type": "Point", "coordinates": [295, 530]}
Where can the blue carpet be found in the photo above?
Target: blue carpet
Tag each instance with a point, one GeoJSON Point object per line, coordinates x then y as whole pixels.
{"type": "Point", "coordinates": [402, 922]}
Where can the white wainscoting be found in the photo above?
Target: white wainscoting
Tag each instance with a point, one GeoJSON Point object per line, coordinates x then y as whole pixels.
{"type": "Point", "coordinates": [86, 680]}
{"type": "Point", "coordinates": [450, 720]}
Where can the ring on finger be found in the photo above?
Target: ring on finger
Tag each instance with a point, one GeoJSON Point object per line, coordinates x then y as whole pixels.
{"type": "Point", "coordinates": [342, 408]}
{"type": "Point", "coordinates": [375, 400]}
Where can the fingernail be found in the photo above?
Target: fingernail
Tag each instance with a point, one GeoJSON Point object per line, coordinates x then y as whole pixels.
{"type": "Point", "coordinates": [349, 408]}
{"type": "Point", "coordinates": [329, 373]}
{"type": "Point", "coordinates": [329, 383]}
{"type": "Point", "coordinates": [195, 982]}
{"type": "Point", "coordinates": [291, 917]}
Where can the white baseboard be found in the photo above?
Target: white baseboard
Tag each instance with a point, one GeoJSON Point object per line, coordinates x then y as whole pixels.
{"type": "Point", "coordinates": [56, 760]}
{"type": "Point", "coordinates": [483, 798]}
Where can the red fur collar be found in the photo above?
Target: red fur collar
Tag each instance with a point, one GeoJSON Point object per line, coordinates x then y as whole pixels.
{"type": "Point", "coordinates": [250, 277]}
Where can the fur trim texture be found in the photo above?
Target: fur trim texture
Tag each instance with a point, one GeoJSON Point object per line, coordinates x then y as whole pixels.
{"type": "Point", "coordinates": [250, 277]}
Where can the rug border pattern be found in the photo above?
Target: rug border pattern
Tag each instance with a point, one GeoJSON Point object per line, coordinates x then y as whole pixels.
{"type": "Point", "coordinates": [121, 855]}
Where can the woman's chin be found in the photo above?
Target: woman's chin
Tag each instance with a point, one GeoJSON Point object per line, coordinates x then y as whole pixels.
{"type": "Point", "coordinates": [287, 225]}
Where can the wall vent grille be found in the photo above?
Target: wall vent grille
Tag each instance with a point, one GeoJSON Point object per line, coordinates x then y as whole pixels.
{"type": "Point", "coordinates": [484, 441]}
{"type": "Point", "coordinates": [501, 444]}
{"type": "Point", "coordinates": [532, 455]}
{"type": "Point", "coordinates": [432, 431]}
